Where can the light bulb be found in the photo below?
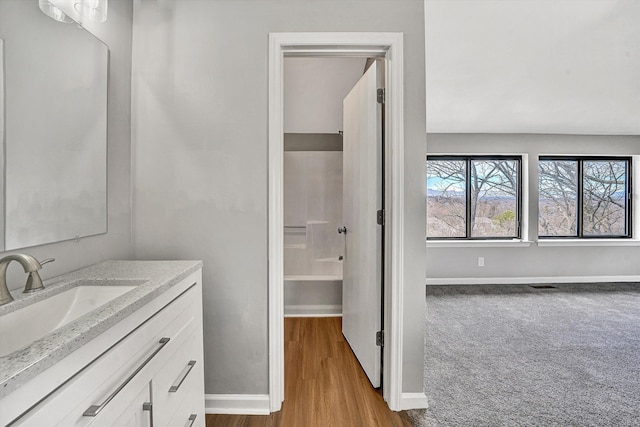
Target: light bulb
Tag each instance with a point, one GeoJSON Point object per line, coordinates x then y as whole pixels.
{"type": "Point", "coordinates": [57, 14]}
{"type": "Point", "coordinates": [93, 10]}
{"type": "Point", "coordinates": [53, 12]}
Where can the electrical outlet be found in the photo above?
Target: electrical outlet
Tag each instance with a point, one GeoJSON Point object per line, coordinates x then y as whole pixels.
{"type": "Point", "coordinates": [480, 261]}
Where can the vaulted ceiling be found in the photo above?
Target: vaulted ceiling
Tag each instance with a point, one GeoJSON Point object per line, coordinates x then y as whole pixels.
{"type": "Point", "coordinates": [533, 66]}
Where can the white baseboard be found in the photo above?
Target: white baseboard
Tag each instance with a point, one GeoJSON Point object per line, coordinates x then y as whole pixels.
{"type": "Point", "coordinates": [413, 401]}
{"type": "Point", "coordinates": [240, 404]}
{"type": "Point", "coordinates": [529, 280]}
{"type": "Point", "coordinates": [322, 310]}
{"type": "Point", "coordinates": [258, 404]}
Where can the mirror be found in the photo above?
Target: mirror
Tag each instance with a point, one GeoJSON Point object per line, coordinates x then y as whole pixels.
{"type": "Point", "coordinates": [53, 116]}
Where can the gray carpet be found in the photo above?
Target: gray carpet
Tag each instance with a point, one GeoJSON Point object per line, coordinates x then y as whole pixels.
{"type": "Point", "coordinates": [518, 356]}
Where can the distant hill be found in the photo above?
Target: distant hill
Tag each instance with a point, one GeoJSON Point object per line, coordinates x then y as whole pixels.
{"type": "Point", "coordinates": [433, 193]}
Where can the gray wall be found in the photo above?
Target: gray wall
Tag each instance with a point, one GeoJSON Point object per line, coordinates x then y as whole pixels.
{"type": "Point", "coordinates": [200, 163]}
{"type": "Point", "coordinates": [116, 244]}
{"type": "Point", "coordinates": [533, 261]}
{"type": "Point", "coordinates": [312, 142]}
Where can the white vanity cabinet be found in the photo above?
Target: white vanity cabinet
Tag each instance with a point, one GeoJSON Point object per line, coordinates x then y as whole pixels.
{"type": "Point", "coordinates": [151, 376]}
{"type": "Point", "coordinates": [135, 414]}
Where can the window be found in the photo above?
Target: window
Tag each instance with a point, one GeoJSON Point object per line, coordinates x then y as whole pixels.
{"type": "Point", "coordinates": [473, 197]}
{"type": "Point", "coordinates": [584, 197]}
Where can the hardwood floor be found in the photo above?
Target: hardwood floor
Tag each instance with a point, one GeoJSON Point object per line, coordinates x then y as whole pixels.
{"type": "Point", "coordinates": [324, 384]}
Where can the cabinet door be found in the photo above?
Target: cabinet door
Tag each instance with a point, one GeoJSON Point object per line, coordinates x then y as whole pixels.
{"type": "Point", "coordinates": [180, 379]}
{"type": "Point", "coordinates": [189, 414]}
{"type": "Point", "coordinates": [136, 413]}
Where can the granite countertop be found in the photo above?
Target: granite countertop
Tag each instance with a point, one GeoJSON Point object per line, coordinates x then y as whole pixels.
{"type": "Point", "coordinates": [150, 278]}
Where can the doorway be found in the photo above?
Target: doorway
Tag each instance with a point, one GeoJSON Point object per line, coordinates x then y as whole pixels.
{"type": "Point", "coordinates": [333, 204]}
{"type": "Point", "coordinates": [314, 89]}
{"type": "Point", "coordinates": [379, 45]}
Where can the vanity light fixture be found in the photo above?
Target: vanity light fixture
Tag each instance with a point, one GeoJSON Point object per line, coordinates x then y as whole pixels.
{"type": "Point", "coordinates": [53, 12]}
{"type": "Point", "coordinates": [93, 10]}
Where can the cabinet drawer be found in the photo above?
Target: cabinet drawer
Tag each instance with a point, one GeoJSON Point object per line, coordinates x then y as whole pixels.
{"type": "Point", "coordinates": [180, 379]}
{"type": "Point", "coordinates": [190, 413]}
{"type": "Point", "coordinates": [135, 414]}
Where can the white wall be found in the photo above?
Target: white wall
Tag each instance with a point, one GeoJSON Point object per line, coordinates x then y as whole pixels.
{"type": "Point", "coordinates": [534, 261]}
{"type": "Point", "coordinates": [313, 92]}
{"type": "Point", "coordinates": [313, 200]}
{"type": "Point", "coordinates": [116, 244]}
{"type": "Point", "coordinates": [533, 66]}
{"type": "Point", "coordinates": [500, 72]}
{"type": "Point", "coordinates": [200, 108]}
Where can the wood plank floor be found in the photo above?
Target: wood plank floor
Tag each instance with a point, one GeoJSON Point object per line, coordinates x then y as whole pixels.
{"type": "Point", "coordinates": [324, 384]}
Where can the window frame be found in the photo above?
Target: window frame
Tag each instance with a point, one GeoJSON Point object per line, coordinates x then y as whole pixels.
{"type": "Point", "coordinates": [580, 196]}
{"type": "Point", "coordinates": [468, 158]}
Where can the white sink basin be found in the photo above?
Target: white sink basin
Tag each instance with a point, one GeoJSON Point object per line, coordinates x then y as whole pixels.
{"type": "Point", "coordinates": [32, 322]}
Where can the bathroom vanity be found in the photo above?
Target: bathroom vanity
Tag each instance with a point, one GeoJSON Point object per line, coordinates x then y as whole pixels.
{"type": "Point", "coordinates": [130, 358]}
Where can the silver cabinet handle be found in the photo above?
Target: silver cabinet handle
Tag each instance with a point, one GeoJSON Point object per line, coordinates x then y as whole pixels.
{"type": "Point", "coordinates": [191, 420]}
{"type": "Point", "coordinates": [175, 387]}
{"type": "Point", "coordinates": [94, 410]}
{"type": "Point", "coordinates": [148, 406]}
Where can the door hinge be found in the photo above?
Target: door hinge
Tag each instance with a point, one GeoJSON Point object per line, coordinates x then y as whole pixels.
{"type": "Point", "coordinates": [380, 338]}
{"type": "Point", "coordinates": [380, 95]}
{"type": "Point", "coordinates": [380, 216]}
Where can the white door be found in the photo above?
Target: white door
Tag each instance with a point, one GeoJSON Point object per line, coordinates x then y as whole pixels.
{"type": "Point", "coordinates": [362, 198]}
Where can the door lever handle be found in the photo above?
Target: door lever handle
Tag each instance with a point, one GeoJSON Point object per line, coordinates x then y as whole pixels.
{"type": "Point", "coordinates": [342, 230]}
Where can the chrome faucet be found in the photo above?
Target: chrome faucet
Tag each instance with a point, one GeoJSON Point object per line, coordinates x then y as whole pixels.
{"type": "Point", "coordinates": [30, 265]}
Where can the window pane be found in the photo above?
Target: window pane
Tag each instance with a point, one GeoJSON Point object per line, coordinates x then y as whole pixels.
{"type": "Point", "coordinates": [494, 198]}
{"type": "Point", "coordinates": [558, 200]}
{"type": "Point", "coordinates": [446, 198]}
{"type": "Point", "coordinates": [604, 198]}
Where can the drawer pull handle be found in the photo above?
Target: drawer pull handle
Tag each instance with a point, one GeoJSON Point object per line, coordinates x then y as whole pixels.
{"type": "Point", "coordinates": [175, 387]}
{"type": "Point", "coordinates": [148, 406]}
{"type": "Point", "coordinates": [94, 410]}
{"type": "Point", "coordinates": [191, 420]}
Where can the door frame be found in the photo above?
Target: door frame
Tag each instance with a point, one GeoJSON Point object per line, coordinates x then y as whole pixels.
{"type": "Point", "coordinates": [382, 45]}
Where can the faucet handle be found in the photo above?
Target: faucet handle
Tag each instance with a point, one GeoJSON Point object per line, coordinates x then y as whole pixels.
{"type": "Point", "coordinates": [34, 282]}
